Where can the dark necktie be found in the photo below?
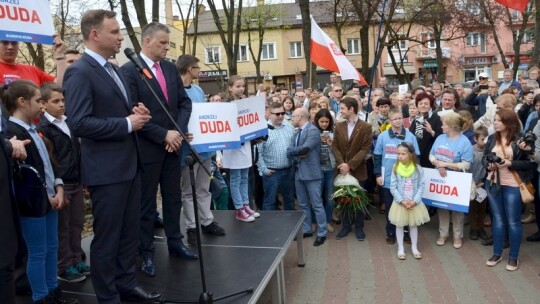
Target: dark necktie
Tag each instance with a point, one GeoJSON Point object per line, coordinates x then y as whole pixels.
{"type": "Point", "coordinates": [116, 79]}
{"type": "Point", "coordinates": [298, 138]}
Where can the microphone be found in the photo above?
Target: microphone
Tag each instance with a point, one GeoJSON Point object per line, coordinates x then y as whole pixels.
{"type": "Point", "coordinates": [130, 54]}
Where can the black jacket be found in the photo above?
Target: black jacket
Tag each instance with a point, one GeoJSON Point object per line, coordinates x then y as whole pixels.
{"type": "Point", "coordinates": [9, 217]}
{"type": "Point", "coordinates": [521, 162]}
{"type": "Point", "coordinates": [427, 141]}
{"type": "Point", "coordinates": [66, 151]}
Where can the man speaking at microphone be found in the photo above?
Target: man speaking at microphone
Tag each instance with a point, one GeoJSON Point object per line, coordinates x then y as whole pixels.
{"type": "Point", "coordinates": [159, 142]}
{"type": "Point", "coordinates": [105, 116]}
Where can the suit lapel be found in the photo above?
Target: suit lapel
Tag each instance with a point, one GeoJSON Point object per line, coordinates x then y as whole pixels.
{"type": "Point", "coordinates": [107, 78]}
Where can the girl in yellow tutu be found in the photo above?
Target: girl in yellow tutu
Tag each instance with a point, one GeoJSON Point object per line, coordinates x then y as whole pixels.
{"type": "Point", "coordinates": [407, 185]}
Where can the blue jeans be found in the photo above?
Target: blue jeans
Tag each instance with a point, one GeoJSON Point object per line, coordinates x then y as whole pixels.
{"type": "Point", "coordinates": [239, 187]}
{"type": "Point", "coordinates": [309, 197]}
{"type": "Point", "coordinates": [41, 237]}
{"type": "Point", "coordinates": [279, 180]}
{"type": "Point", "coordinates": [505, 204]}
{"type": "Point", "coordinates": [328, 190]}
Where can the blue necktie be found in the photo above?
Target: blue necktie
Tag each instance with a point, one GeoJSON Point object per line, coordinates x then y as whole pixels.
{"type": "Point", "coordinates": [298, 138]}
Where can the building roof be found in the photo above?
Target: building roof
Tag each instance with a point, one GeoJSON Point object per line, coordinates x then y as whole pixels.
{"type": "Point", "coordinates": [287, 14]}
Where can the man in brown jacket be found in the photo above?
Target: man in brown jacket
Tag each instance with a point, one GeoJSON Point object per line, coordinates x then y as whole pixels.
{"type": "Point", "coordinates": [352, 142]}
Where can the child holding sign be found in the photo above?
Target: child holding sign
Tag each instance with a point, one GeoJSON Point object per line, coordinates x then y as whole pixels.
{"type": "Point", "coordinates": [406, 186]}
{"type": "Point", "coordinates": [239, 161]}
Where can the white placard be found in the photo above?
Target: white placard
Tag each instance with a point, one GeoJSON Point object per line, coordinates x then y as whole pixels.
{"type": "Point", "coordinates": [214, 126]}
{"type": "Point", "coordinates": [403, 88]}
{"type": "Point", "coordinates": [27, 21]}
{"type": "Point", "coordinates": [251, 120]}
{"type": "Point", "coordinates": [451, 192]}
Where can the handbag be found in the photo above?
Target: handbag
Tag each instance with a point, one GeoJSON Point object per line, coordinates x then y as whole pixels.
{"type": "Point", "coordinates": [30, 191]}
{"type": "Point", "coordinates": [526, 190]}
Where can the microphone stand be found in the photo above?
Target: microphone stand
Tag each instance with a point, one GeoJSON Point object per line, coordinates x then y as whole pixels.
{"type": "Point", "coordinates": [206, 297]}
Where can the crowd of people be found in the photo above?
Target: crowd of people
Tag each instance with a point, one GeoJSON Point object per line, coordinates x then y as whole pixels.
{"type": "Point", "coordinates": [99, 126]}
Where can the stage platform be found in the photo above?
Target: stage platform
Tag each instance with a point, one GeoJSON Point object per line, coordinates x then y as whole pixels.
{"type": "Point", "coordinates": [250, 255]}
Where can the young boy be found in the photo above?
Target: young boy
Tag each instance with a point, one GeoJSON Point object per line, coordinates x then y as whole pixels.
{"type": "Point", "coordinates": [477, 210]}
{"type": "Point", "coordinates": [385, 156]}
{"type": "Point", "coordinates": [65, 147]}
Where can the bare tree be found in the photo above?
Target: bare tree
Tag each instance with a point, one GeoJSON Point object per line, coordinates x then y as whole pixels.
{"type": "Point", "coordinates": [229, 29]}
{"type": "Point", "coordinates": [536, 50]}
{"type": "Point", "coordinates": [256, 21]}
{"type": "Point", "coordinates": [192, 12]}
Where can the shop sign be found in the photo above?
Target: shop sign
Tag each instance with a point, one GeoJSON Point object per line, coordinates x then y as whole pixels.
{"type": "Point", "coordinates": [477, 61]}
{"type": "Point", "coordinates": [213, 74]}
{"type": "Point", "coordinates": [430, 64]}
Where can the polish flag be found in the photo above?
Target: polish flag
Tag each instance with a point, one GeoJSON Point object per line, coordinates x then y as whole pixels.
{"type": "Point", "coordinates": [519, 5]}
{"type": "Point", "coordinates": [325, 53]}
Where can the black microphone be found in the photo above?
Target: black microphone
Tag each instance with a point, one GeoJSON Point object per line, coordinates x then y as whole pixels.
{"type": "Point", "coordinates": [130, 54]}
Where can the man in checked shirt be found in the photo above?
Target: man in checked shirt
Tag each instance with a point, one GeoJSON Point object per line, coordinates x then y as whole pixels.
{"type": "Point", "coordinates": [273, 163]}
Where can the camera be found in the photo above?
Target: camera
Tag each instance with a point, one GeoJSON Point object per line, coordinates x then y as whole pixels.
{"type": "Point", "coordinates": [528, 138]}
{"type": "Point", "coordinates": [494, 159]}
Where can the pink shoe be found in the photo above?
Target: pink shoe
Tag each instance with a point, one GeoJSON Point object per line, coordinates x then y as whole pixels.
{"type": "Point", "coordinates": [251, 211]}
{"type": "Point", "coordinates": [242, 215]}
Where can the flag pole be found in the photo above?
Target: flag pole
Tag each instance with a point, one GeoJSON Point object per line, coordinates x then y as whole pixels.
{"type": "Point", "coordinates": [375, 61]}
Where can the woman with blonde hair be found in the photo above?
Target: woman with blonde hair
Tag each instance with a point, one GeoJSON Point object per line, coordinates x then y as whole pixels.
{"type": "Point", "coordinates": [324, 103]}
{"type": "Point", "coordinates": [451, 151]}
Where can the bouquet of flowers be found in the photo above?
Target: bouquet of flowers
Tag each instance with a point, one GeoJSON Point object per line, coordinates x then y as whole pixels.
{"type": "Point", "coordinates": [349, 197]}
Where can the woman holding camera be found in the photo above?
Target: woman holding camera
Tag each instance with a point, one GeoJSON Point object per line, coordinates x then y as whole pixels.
{"type": "Point", "coordinates": [508, 165]}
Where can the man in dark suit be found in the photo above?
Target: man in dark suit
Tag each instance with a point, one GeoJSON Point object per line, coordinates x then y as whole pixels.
{"type": "Point", "coordinates": [306, 151]}
{"type": "Point", "coordinates": [103, 115]}
{"type": "Point", "coordinates": [159, 142]}
{"type": "Point", "coordinates": [352, 144]}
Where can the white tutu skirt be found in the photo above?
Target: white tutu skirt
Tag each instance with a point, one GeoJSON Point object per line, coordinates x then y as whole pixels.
{"type": "Point", "coordinates": [401, 216]}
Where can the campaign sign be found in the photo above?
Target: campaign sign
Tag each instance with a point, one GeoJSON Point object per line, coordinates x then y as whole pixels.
{"type": "Point", "coordinates": [31, 19]}
{"type": "Point", "coordinates": [214, 127]}
{"type": "Point", "coordinates": [251, 120]}
{"type": "Point", "coordinates": [451, 192]}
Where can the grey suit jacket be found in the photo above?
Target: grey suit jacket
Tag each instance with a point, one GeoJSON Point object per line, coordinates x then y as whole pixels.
{"type": "Point", "coordinates": [308, 168]}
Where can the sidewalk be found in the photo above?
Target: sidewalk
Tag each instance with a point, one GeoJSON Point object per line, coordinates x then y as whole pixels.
{"type": "Point", "coordinates": [349, 271]}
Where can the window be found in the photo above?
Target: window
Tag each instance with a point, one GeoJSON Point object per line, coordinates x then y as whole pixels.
{"type": "Point", "coordinates": [243, 53]}
{"type": "Point", "coordinates": [474, 39]}
{"type": "Point", "coordinates": [428, 40]}
{"type": "Point", "coordinates": [295, 49]}
{"type": "Point", "coordinates": [400, 45]}
{"type": "Point", "coordinates": [515, 15]}
{"type": "Point", "coordinates": [268, 51]}
{"type": "Point", "coordinates": [474, 9]}
{"type": "Point", "coordinates": [528, 36]}
{"type": "Point", "coordinates": [212, 55]}
{"type": "Point", "coordinates": [353, 46]}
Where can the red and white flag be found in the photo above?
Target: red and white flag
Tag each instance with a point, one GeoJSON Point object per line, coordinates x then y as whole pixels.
{"type": "Point", "coordinates": [325, 53]}
{"type": "Point", "coordinates": [519, 5]}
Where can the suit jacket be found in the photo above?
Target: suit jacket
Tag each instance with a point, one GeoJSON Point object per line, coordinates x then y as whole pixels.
{"type": "Point", "coordinates": [98, 111]}
{"type": "Point", "coordinates": [353, 151]}
{"type": "Point", "coordinates": [152, 136]}
{"type": "Point", "coordinates": [307, 168]}
{"type": "Point", "coordinates": [9, 219]}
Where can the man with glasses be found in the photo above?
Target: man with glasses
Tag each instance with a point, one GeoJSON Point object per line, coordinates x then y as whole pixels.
{"type": "Point", "coordinates": [273, 164]}
{"type": "Point", "coordinates": [335, 97]}
{"type": "Point", "coordinates": [484, 99]}
{"type": "Point", "coordinates": [300, 99]}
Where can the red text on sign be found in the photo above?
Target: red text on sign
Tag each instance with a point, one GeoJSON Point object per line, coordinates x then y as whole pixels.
{"type": "Point", "coordinates": [215, 126]}
{"type": "Point", "coordinates": [18, 14]}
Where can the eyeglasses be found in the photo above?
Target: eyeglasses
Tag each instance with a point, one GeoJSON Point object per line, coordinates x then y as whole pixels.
{"type": "Point", "coordinates": [279, 113]}
{"type": "Point", "coordinates": [482, 78]}
{"type": "Point", "coordinates": [338, 90]}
